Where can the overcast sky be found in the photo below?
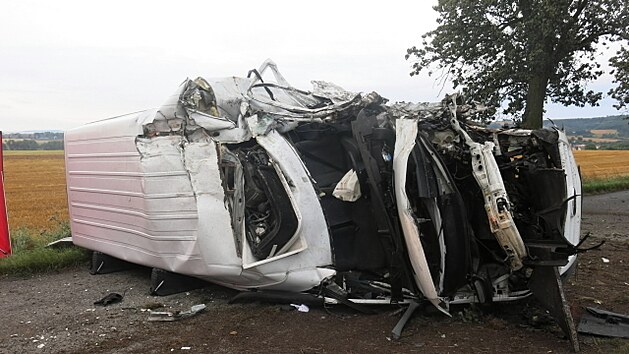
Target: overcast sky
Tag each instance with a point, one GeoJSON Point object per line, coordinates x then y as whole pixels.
{"type": "Point", "coordinates": [66, 63]}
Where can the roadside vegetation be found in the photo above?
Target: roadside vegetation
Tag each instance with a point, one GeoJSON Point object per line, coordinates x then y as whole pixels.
{"type": "Point", "coordinates": [29, 144]}
{"type": "Point", "coordinates": [603, 170]}
{"type": "Point", "coordinates": [605, 185]}
{"type": "Point", "coordinates": [38, 213]}
{"type": "Point", "coordinates": [515, 56]}
{"type": "Point", "coordinates": [33, 141]}
{"type": "Point", "coordinates": [30, 254]}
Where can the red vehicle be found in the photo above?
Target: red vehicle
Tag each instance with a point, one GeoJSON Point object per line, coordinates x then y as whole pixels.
{"type": "Point", "coordinates": [5, 241]}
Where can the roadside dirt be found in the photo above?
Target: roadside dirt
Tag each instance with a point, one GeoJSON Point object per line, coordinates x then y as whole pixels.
{"type": "Point", "coordinates": [54, 313]}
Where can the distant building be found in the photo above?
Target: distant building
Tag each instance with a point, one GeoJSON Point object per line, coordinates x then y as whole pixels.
{"type": "Point", "coordinates": [578, 146]}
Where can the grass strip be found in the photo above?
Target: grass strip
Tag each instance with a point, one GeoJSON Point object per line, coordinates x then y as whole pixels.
{"type": "Point", "coordinates": [31, 256]}
{"type": "Point", "coordinates": [605, 185]}
{"type": "Point", "coordinates": [42, 260]}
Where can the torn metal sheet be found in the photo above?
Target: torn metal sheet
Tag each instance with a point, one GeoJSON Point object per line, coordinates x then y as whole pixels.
{"type": "Point", "coordinates": [547, 287]}
{"type": "Point", "coordinates": [397, 330]}
{"type": "Point", "coordinates": [604, 323]}
{"type": "Point", "coordinates": [254, 184]}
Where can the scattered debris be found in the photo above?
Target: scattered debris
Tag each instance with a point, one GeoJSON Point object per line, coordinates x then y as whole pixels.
{"type": "Point", "coordinates": [301, 308]}
{"type": "Point", "coordinates": [605, 260]}
{"type": "Point", "coordinates": [397, 330]}
{"type": "Point", "coordinates": [111, 298]}
{"type": "Point", "coordinates": [61, 243]}
{"type": "Point", "coordinates": [168, 316]}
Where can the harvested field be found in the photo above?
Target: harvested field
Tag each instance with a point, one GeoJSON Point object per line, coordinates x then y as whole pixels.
{"type": "Point", "coordinates": [602, 164]}
{"type": "Point", "coordinates": [35, 187]}
{"type": "Point", "coordinates": [601, 140]}
{"type": "Point", "coordinates": [603, 131]}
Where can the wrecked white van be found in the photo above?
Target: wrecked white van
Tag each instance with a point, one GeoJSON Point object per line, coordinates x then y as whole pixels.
{"type": "Point", "coordinates": [255, 184]}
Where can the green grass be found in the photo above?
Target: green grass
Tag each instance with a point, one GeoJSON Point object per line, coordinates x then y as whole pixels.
{"type": "Point", "coordinates": [595, 186]}
{"type": "Point", "coordinates": [30, 255]}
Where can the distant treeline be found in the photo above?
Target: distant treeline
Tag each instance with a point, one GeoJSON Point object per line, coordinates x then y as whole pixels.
{"type": "Point", "coordinates": [35, 136]}
{"type": "Point", "coordinates": [32, 145]}
{"type": "Point", "coordinates": [620, 145]}
{"type": "Point", "coordinates": [584, 126]}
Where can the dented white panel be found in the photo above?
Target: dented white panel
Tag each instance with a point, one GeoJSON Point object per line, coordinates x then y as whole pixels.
{"type": "Point", "coordinates": [572, 225]}
{"type": "Point", "coordinates": [111, 208]}
{"type": "Point", "coordinates": [314, 232]}
{"type": "Point", "coordinates": [160, 202]}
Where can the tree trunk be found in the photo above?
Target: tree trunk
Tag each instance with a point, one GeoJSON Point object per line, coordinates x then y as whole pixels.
{"type": "Point", "coordinates": [535, 102]}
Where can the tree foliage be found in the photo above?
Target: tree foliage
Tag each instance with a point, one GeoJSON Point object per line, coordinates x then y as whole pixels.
{"type": "Point", "coordinates": [620, 63]}
{"type": "Point", "coordinates": [29, 144]}
{"type": "Point", "coordinates": [521, 53]}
